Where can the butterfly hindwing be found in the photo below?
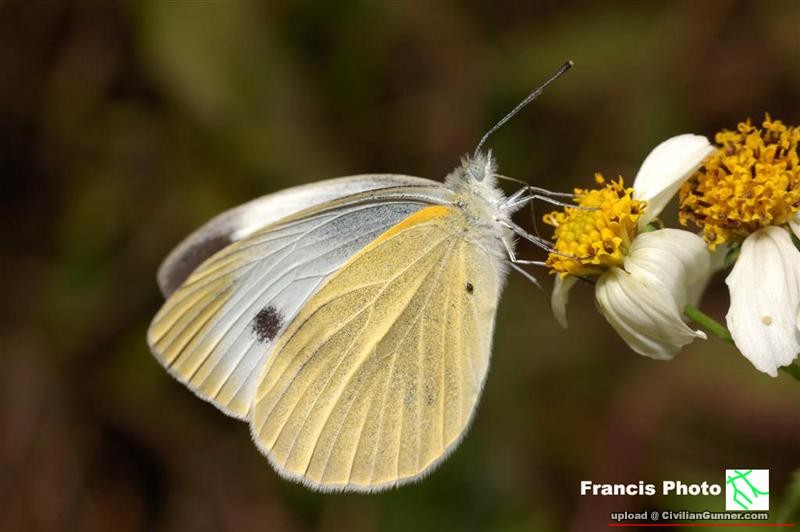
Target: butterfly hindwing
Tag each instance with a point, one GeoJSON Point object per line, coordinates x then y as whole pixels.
{"type": "Point", "coordinates": [377, 377]}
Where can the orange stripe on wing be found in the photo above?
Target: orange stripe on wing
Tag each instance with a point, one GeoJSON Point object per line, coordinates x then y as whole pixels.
{"type": "Point", "coordinates": [423, 215]}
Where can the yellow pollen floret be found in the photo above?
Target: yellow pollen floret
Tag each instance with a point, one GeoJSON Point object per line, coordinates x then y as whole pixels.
{"type": "Point", "coordinates": [751, 181]}
{"type": "Point", "coordinates": [593, 238]}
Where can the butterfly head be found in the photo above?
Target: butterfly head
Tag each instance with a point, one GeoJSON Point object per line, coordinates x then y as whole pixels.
{"type": "Point", "coordinates": [475, 183]}
{"type": "Point", "coordinates": [479, 167]}
{"type": "Point", "coordinates": [475, 172]}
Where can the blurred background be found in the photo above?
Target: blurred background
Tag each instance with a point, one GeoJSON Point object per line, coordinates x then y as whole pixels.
{"type": "Point", "coordinates": [125, 125]}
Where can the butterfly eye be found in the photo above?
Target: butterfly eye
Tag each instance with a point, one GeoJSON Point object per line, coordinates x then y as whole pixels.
{"type": "Point", "coordinates": [475, 168]}
{"type": "Point", "coordinates": [474, 171]}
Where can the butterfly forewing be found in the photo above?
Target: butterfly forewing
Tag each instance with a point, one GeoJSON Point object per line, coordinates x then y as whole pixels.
{"type": "Point", "coordinates": [244, 220]}
{"type": "Point", "coordinates": [215, 332]}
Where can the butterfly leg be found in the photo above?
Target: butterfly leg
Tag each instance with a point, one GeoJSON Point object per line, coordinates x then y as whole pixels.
{"type": "Point", "coordinates": [534, 239]}
{"type": "Point", "coordinates": [537, 240]}
{"type": "Point", "coordinates": [519, 199]}
{"type": "Point", "coordinates": [532, 190]}
{"type": "Point", "coordinates": [516, 263]}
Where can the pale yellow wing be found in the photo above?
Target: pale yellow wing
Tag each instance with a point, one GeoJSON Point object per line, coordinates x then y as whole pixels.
{"type": "Point", "coordinates": [377, 377]}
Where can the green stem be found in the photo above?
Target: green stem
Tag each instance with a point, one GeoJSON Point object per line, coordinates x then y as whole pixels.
{"type": "Point", "coordinates": [713, 326]}
{"type": "Point", "coordinates": [708, 323]}
{"type": "Point", "coordinates": [791, 369]}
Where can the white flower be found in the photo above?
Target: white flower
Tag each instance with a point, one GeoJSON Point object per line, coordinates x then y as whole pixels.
{"type": "Point", "coordinates": [643, 295]}
{"type": "Point", "coordinates": [749, 193]}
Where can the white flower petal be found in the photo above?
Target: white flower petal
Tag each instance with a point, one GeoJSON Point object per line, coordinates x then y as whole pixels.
{"type": "Point", "coordinates": [665, 169]}
{"type": "Point", "coordinates": [794, 223]}
{"type": "Point", "coordinates": [765, 296]}
{"type": "Point", "coordinates": [644, 313]}
{"type": "Point", "coordinates": [680, 260]}
{"type": "Point", "coordinates": [560, 297]}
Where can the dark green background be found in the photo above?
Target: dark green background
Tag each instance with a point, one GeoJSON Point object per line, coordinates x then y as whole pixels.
{"type": "Point", "coordinates": [126, 125]}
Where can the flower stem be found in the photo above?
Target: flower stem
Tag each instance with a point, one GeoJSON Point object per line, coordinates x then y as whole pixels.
{"type": "Point", "coordinates": [791, 369]}
{"type": "Point", "coordinates": [708, 323]}
{"type": "Point", "coordinates": [713, 326]}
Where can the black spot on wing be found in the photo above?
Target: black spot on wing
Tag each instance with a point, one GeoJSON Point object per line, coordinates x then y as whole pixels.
{"type": "Point", "coordinates": [190, 259]}
{"type": "Point", "coordinates": [470, 288]}
{"type": "Point", "coordinates": [267, 324]}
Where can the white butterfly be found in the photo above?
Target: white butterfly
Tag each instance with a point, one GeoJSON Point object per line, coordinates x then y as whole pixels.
{"type": "Point", "coordinates": [348, 321]}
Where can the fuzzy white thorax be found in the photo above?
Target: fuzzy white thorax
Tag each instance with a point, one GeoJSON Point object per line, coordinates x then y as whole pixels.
{"type": "Point", "coordinates": [474, 183]}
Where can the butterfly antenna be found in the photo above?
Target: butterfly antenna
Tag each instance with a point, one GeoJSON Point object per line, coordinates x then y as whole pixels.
{"type": "Point", "coordinates": [532, 96]}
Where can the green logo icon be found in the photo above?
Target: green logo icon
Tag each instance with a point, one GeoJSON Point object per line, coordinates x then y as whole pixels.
{"type": "Point", "coordinates": [747, 489]}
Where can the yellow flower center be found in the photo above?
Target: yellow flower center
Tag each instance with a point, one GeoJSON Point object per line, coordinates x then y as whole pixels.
{"type": "Point", "coordinates": [750, 182]}
{"type": "Point", "coordinates": [593, 238]}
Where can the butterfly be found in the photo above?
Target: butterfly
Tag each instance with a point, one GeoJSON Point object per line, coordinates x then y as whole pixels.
{"type": "Point", "coordinates": [348, 321]}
